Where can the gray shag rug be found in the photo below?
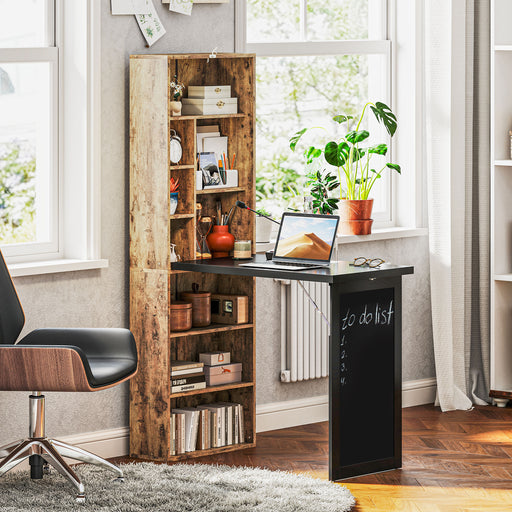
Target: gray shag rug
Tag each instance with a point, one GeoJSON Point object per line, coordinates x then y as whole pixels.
{"type": "Point", "coordinates": [180, 488]}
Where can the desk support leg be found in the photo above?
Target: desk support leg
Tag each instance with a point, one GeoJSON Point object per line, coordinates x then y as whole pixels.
{"type": "Point", "coordinates": [365, 377]}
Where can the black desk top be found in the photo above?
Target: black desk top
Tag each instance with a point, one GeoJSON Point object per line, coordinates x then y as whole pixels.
{"type": "Point", "coordinates": [337, 272]}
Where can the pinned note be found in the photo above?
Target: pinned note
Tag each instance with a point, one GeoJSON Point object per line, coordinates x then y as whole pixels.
{"type": "Point", "coordinates": [181, 6]}
{"type": "Point", "coordinates": [150, 25]}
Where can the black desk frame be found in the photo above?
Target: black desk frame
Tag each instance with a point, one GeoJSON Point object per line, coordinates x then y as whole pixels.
{"type": "Point", "coordinates": [346, 281]}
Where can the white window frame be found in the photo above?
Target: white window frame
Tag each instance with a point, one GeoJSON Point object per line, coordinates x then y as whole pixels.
{"type": "Point", "coordinates": [403, 48]}
{"type": "Point", "coordinates": [77, 45]}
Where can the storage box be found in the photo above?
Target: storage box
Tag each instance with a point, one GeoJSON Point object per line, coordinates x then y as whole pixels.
{"type": "Point", "coordinates": [224, 374]}
{"type": "Point", "coordinates": [209, 106]}
{"type": "Point", "coordinates": [209, 91]}
{"type": "Point", "coordinates": [230, 309]}
{"type": "Point", "coordinates": [215, 358]}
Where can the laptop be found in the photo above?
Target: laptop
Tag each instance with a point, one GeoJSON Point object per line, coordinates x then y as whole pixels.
{"type": "Point", "coordinates": [304, 241]}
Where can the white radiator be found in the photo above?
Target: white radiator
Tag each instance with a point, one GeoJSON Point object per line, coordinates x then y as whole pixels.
{"type": "Point", "coordinates": [304, 330]}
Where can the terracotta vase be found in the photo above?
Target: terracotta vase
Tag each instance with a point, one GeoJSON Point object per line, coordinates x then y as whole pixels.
{"type": "Point", "coordinates": [355, 216]}
{"type": "Point", "coordinates": [220, 241]}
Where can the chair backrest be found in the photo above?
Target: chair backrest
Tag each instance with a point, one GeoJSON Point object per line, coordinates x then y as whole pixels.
{"type": "Point", "coordinates": [12, 317]}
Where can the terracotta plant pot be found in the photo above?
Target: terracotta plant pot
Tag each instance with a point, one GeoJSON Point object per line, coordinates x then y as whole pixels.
{"type": "Point", "coordinates": [355, 216]}
{"type": "Point", "coordinates": [220, 241]}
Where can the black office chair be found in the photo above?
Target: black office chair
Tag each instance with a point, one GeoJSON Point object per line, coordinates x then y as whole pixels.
{"type": "Point", "coordinates": [56, 360]}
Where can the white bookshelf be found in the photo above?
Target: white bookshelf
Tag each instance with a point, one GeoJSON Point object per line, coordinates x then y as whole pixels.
{"type": "Point", "coordinates": [501, 202]}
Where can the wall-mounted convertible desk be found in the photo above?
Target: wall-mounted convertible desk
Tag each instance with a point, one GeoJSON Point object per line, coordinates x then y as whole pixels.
{"type": "Point", "coordinates": [365, 359]}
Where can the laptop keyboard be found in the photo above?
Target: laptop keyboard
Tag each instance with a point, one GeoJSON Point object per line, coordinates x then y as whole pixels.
{"type": "Point", "coordinates": [289, 264]}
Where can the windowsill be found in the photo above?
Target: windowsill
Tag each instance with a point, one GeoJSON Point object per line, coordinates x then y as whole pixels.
{"type": "Point", "coordinates": [378, 234]}
{"type": "Point", "coordinates": [34, 268]}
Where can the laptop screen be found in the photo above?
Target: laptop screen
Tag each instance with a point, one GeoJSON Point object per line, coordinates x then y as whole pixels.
{"type": "Point", "coordinates": [305, 236]}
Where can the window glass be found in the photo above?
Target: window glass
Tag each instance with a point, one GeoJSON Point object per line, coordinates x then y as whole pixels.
{"type": "Point", "coordinates": [24, 23]}
{"type": "Point", "coordinates": [273, 21]}
{"type": "Point", "coordinates": [298, 92]}
{"type": "Point", "coordinates": [337, 20]}
{"type": "Point", "coordinates": [25, 154]}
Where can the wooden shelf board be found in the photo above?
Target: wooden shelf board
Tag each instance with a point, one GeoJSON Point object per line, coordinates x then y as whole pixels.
{"type": "Point", "coordinates": [182, 216]}
{"type": "Point", "coordinates": [212, 328]}
{"type": "Point", "coordinates": [211, 116]}
{"type": "Point", "coordinates": [495, 393]}
{"type": "Point", "coordinates": [213, 389]}
{"type": "Point", "coordinates": [503, 163]}
{"type": "Point", "coordinates": [503, 277]}
{"type": "Point", "coordinates": [220, 190]}
{"type": "Point", "coordinates": [503, 48]}
{"type": "Point", "coordinates": [178, 167]}
{"type": "Point", "coordinates": [211, 451]}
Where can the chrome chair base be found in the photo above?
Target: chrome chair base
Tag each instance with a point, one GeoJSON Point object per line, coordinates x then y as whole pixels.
{"type": "Point", "coordinates": [51, 451]}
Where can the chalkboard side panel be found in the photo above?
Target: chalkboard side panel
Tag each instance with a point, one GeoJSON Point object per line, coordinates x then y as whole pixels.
{"type": "Point", "coordinates": [365, 378]}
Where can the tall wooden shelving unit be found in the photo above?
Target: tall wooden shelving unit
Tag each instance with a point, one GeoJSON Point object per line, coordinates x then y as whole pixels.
{"type": "Point", "coordinates": [153, 282]}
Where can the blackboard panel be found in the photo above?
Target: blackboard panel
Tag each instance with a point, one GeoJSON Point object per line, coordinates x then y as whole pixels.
{"type": "Point", "coordinates": [366, 375]}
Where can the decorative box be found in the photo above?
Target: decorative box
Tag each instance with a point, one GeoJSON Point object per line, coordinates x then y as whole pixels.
{"type": "Point", "coordinates": [230, 309]}
{"type": "Point", "coordinates": [209, 91]}
{"type": "Point", "coordinates": [224, 374]}
{"type": "Point", "coordinates": [215, 358]}
{"type": "Point", "coordinates": [209, 106]}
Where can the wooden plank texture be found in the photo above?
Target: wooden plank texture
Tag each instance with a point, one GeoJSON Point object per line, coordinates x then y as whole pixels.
{"type": "Point", "coordinates": [149, 164]}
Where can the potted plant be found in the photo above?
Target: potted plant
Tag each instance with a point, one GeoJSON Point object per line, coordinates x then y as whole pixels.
{"type": "Point", "coordinates": [320, 184]}
{"type": "Point", "coordinates": [176, 94]}
{"type": "Point", "coordinates": [354, 165]}
{"type": "Point", "coordinates": [263, 226]}
{"type": "Point", "coordinates": [175, 185]}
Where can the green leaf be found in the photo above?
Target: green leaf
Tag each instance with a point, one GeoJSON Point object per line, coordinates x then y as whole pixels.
{"type": "Point", "coordinates": [336, 154]}
{"type": "Point", "coordinates": [295, 139]}
{"type": "Point", "coordinates": [341, 118]}
{"type": "Point", "coordinates": [380, 149]}
{"type": "Point", "coordinates": [395, 167]}
{"type": "Point", "coordinates": [311, 153]}
{"type": "Point", "coordinates": [354, 137]}
{"type": "Point", "coordinates": [384, 115]}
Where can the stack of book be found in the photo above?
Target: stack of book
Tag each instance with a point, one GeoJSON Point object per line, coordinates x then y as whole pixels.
{"type": "Point", "coordinates": [187, 376]}
{"type": "Point", "coordinates": [206, 426]}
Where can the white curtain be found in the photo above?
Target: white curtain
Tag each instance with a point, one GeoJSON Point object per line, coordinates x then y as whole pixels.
{"type": "Point", "coordinates": [457, 56]}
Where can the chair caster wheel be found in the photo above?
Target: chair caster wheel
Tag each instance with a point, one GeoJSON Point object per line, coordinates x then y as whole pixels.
{"type": "Point", "coordinates": [119, 479]}
{"type": "Point", "coordinates": [80, 498]}
{"type": "Point", "coordinates": [46, 469]}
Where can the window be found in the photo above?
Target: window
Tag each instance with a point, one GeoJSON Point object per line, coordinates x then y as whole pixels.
{"type": "Point", "coordinates": [28, 127]}
{"type": "Point", "coordinates": [315, 59]}
{"type": "Point", "coordinates": [50, 133]}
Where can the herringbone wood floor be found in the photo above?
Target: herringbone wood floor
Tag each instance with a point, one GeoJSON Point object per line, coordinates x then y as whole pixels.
{"type": "Point", "coordinates": [452, 462]}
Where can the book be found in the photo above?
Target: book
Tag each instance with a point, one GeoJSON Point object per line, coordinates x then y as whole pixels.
{"type": "Point", "coordinates": [204, 435]}
{"type": "Point", "coordinates": [215, 424]}
{"type": "Point", "coordinates": [230, 421]}
{"type": "Point", "coordinates": [217, 145]}
{"type": "Point", "coordinates": [177, 366]}
{"type": "Point", "coordinates": [191, 426]}
{"type": "Point", "coordinates": [188, 371]}
{"type": "Point", "coordinates": [188, 379]}
{"type": "Point", "coordinates": [172, 450]}
{"type": "Point", "coordinates": [203, 132]}
{"type": "Point", "coordinates": [179, 432]}
{"type": "Point", "coordinates": [188, 387]}
{"type": "Point", "coordinates": [241, 423]}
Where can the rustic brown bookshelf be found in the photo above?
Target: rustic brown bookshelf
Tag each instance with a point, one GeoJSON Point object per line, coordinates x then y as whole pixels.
{"type": "Point", "coordinates": [154, 285]}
